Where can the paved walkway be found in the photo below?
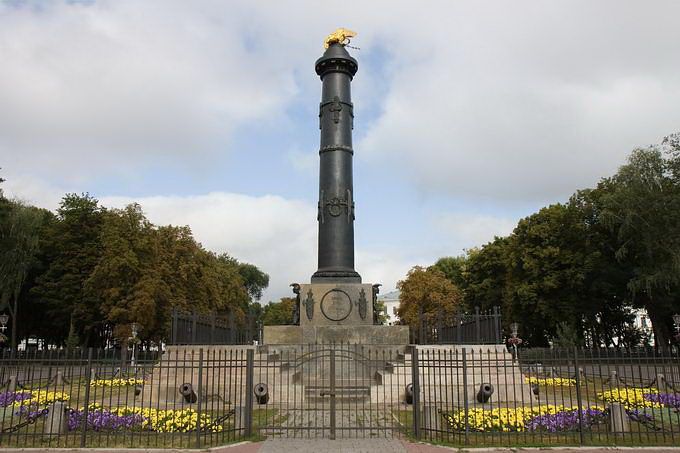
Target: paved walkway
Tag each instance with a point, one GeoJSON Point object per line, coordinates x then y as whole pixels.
{"type": "Point", "coordinates": [399, 446]}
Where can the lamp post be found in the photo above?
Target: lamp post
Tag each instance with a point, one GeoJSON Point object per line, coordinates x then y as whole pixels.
{"type": "Point", "coordinates": [514, 339]}
{"type": "Point", "coordinates": [135, 332]}
{"type": "Point", "coordinates": [4, 319]}
{"type": "Point", "coordinates": [676, 324]}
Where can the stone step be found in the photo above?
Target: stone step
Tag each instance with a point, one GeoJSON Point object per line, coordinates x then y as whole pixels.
{"type": "Point", "coordinates": [345, 392]}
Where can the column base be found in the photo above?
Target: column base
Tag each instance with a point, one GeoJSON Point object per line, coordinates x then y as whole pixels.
{"type": "Point", "coordinates": [336, 276]}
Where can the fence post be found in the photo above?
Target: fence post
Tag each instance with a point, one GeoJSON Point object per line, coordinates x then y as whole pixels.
{"type": "Point", "coordinates": [199, 392]}
{"type": "Point", "coordinates": [415, 380]}
{"type": "Point", "coordinates": [250, 368]}
{"type": "Point", "coordinates": [465, 396]}
{"type": "Point", "coordinates": [194, 319]}
{"type": "Point", "coordinates": [459, 334]}
{"type": "Point", "coordinates": [173, 333]}
{"type": "Point", "coordinates": [83, 423]}
{"type": "Point", "coordinates": [497, 324]}
{"type": "Point", "coordinates": [579, 400]}
{"type": "Point", "coordinates": [212, 327]}
{"type": "Point", "coordinates": [478, 326]}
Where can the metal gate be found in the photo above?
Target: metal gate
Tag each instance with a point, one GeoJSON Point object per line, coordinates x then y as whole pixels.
{"type": "Point", "coordinates": [332, 391]}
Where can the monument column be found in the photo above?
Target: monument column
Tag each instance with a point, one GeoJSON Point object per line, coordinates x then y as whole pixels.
{"type": "Point", "coordinates": [336, 198]}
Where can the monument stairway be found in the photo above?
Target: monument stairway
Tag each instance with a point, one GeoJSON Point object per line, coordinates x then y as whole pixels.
{"type": "Point", "coordinates": [355, 373]}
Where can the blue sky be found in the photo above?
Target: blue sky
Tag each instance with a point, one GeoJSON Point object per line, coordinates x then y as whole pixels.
{"type": "Point", "coordinates": [469, 115]}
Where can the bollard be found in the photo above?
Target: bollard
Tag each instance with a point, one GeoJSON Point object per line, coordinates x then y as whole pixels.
{"type": "Point", "coordinates": [56, 423]}
{"type": "Point", "coordinates": [58, 380]}
{"type": "Point", "coordinates": [614, 379]}
{"type": "Point", "coordinates": [239, 419]}
{"type": "Point", "coordinates": [618, 419]}
{"type": "Point", "coordinates": [12, 384]}
{"type": "Point", "coordinates": [661, 383]}
{"type": "Point", "coordinates": [432, 419]}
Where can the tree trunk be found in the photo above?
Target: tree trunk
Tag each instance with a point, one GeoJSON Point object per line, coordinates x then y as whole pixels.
{"type": "Point", "coordinates": [658, 325]}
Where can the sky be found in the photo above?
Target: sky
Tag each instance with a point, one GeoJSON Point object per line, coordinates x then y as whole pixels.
{"type": "Point", "coordinates": [469, 115]}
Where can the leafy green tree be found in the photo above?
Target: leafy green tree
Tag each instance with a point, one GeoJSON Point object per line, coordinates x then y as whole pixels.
{"type": "Point", "coordinates": [427, 294]}
{"type": "Point", "coordinates": [254, 279]}
{"type": "Point", "coordinates": [453, 268]}
{"type": "Point", "coordinates": [485, 275]}
{"type": "Point", "coordinates": [20, 235]}
{"type": "Point", "coordinates": [279, 313]}
{"type": "Point", "coordinates": [73, 250]}
{"type": "Point", "coordinates": [641, 206]}
{"type": "Point", "coordinates": [146, 271]}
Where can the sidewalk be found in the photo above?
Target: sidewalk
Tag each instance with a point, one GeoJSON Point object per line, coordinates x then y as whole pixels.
{"type": "Point", "coordinates": [400, 446]}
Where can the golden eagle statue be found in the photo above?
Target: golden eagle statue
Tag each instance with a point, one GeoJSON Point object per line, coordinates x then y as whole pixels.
{"type": "Point", "coordinates": [340, 36]}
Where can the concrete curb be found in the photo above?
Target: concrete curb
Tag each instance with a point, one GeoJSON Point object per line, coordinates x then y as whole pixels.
{"type": "Point", "coordinates": [131, 450]}
{"type": "Point", "coordinates": [538, 449]}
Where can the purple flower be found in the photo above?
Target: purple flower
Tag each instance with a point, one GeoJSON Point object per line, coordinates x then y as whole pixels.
{"type": "Point", "coordinates": [639, 416]}
{"type": "Point", "coordinates": [565, 421]}
{"type": "Point", "coordinates": [9, 398]}
{"type": "Point", "coordinates": [665, 399]}
{"type": "Point", "coordinates": [103, 420]}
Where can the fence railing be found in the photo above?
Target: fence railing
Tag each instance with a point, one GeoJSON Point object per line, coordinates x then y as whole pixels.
{"type": "Point", "coordinates": [195, 397]}
{"type": "Point", "coordinates": [100, 399]}
{"type": "Point", "coordinates": [213, 329]}
{"type": "Point", "coordinates": [479, 327]}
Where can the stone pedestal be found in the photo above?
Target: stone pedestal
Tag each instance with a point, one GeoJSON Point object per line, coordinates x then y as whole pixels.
{"type": "Point", "coordinates": [336, 313]}
{"type": "Point", "coordinates": [336, 304]}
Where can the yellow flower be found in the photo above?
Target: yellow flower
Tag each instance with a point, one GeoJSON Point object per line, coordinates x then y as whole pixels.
{"type": "Point", "coordinates": [555, 382]}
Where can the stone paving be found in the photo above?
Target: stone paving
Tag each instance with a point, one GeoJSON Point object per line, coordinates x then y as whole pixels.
{"type": "Point", "coordinates": [399, 446]}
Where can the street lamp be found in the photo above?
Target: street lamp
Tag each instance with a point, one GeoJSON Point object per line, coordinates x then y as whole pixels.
{"type": "Point", "coordinates": [676, 324]}
{"type": "Point", "coordinates": [4, 318]}
{"type": "Point", "coordinates": [135, 332]}
{"type": "Point", "coordinates": [514, 339]}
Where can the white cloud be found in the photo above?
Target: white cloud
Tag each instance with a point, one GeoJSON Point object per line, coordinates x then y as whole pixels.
{"type": "Point", "coordinates": [36, 191]}
{"type": "Point", "coordinates": [114, 85]}
{"type": "Point", "coordinates": [494, 101]}
{"type": "Point", "coordinates": [482, 100]}
{"type": "Point", "coordinates": [468, 230]}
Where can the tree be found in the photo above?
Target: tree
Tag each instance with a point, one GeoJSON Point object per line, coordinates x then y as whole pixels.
{"type": "Point", "coordinates": [485, 274]}
{"type": "Point", "coordinates": [145, 271]}
{"type": "Point", "coordinates": [279, 313]}
{"type": "Point", "coordinates": [254, 280]}
{"type": "Point", "coordinates": [453, 268]}
{"type": "Point", "coordinates": [427, 293]}
{"type": "Point", "coordinates": [641, 206]}
{"type": "Point", "coordinates": [73, 249]}
{"type": "Point", "coordinates": [19, 233]}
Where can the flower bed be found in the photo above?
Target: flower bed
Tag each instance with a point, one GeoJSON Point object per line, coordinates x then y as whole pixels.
{"type": "Point", "coordinates": [116, 382]}
{"type": "Point", "coordinates": [11, 398]}
{"type": "Point", "coordinates": [137, 418]}
{"type": "Point", "coordinates": [567, 420]}
{"type": "Point", "coordinates": [104, 420]}
{"type": "Point", "coordinates": [31, 398]}
{"type": "Point", "coordinates": [516, 419]}
{"type": "Point", "coordinates": [554, 382]}
{"type": "Point", "coordinates": [631, 398]}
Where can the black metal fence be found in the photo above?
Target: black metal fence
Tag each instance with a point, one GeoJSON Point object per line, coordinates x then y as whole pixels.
{"type": "Point", "coordinates": [200, 396]}
{"type": "Point", "coordinates": [197, 328]}
{"type": "Point", "coordinates": [480, 327]}
{"type": "Point", "coordinates": [100, 399]}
